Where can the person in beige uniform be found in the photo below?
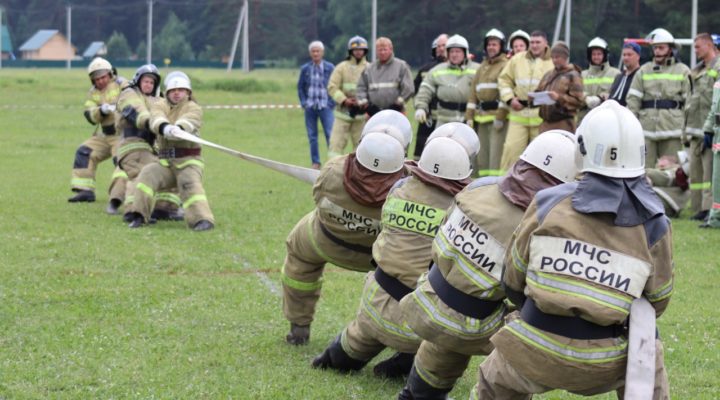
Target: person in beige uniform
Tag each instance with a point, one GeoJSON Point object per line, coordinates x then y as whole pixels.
{"type": "Point", "coordinates": [135, 149]}
{"type": "Point", "coordinates": [598, 77]}
{"type": "Point", "coordinates": [349, 120]}
{"type": "Point", "coordinates": [102, 145]}
{"type": "Point", "coordinates": [180, 163]}
{"type": "Point", "coordinates": [386, 83]}
{"type": "Point", "coordinates": [520, 76]}
{"type": "Point", "coordinates": [582, 254]}
{"type": "Point", "coordinates": [458, 308]}
{"type": "Point", "coordinates": [485, 112]}
{"type": "Point", "coordinates": [348, 194]}
{"type": "Point", "coordinates": [411, 217]}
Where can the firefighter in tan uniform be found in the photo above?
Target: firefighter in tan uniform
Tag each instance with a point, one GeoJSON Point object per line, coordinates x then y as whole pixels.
{"type": "Point", "coordinates": [99, 111]}
{"type": "Point", "coordinates": [485, 112]}
{"type": "Point", "coordinates": [657, 97]}
{"type": "Point", "coordinates": [521, 76]}
{"type": "Point", "coordinates": [582, 254]}
{"type": "Point", "coordinates": [703, 77]}
{"type": "Point", "coordinates": [449, 83]}
{"type": "Point", "coordinates": [411, 217]}
{"type": "Point", "coordinates": [349, 120]}
{"type": "Point", "coordinates": [135, 149]}
{"type": "Point", "coordinates": [180, 163]}
{"type": "Point", "coordinates": [460, 306]}
{"type": "Point", "coordinates": [599, 76]}
{"type": "Point", "coordinates": [341, 230]}
{"type": "Point", "coordinates": [518, 42]}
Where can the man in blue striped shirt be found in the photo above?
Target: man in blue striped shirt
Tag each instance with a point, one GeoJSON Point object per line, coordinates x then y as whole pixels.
{"type": "Point", "coordinates": [312, 91]}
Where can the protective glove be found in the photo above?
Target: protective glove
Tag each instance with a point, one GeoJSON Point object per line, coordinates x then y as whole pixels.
{"type": "Point", "coordinates": [592, 101]}
{"type": "Point", "coordinates": [498, 124]}
{"type": "Point", "coordinates": [420, 116]}
{"type": "Point", "coordinates": [468, 122]}
{"type": "Point", "coordinates": [106, 108]}
{"type": "Point", "coordinates": [400, 101]}
{"type": "Point", "coordinates": [708, 140]}
{"type": "Point", "coordinates": [130, 114]}
{"type": "Point", "coordinates": [170, 131]}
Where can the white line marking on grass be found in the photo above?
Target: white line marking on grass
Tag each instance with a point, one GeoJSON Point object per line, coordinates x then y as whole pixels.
{"type": "Point", "coordinates": [264, 278]}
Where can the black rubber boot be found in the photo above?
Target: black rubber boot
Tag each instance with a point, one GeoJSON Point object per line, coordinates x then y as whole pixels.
{"type": "Point", "coordinates": [334, 357]}
{"type": "Point", "coordinates": [700, 216]}
{"type": "Point", "coordinates": [160, 215]}
{"type": "Point", "coordinates": [203, 225]}
{"type": "Point", "coordinates": [113, 207]}
{"type": "Point", "coordinates": [136, 220]}
{"type": "Point", "coordinates": [299, 334]}
{"type": "Point", "coordinates": [417, 389]}
{"type": "Point", "coordinates": [396, 366]}
{"type": "Point", "coordinates": [83, 196]}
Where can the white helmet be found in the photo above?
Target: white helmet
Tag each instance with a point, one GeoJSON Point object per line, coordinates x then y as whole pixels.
{"type": "Point", "coordinates": [495, 34]}
{"type": "Point", "coordinates": [519, 34]}
{"type": "Point", "coordinates": [380, 153]}
{"type": "Point", "coordinates": [611, 142]}
{"type": "Point", "coordinates": [597, 43]}
{"type": "Point", "coordinates": [553, 152]}
{"type": "Point", "coordinates": [98, 67]}
{"type": "Point", "coordinates": [460, 133]}
{"type": "Point", "coordinates": [445, 158]}
{"type": "Point", "coordinates": [177, 80]}
{"type": "Point", "coordinates": [660, 36]}
{"type": "Point", "coordinates": [390, 118]}
{"type": "Point", "coordinates": [457, 42]}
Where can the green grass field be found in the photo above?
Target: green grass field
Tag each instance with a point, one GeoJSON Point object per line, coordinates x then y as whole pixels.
{"type": "Point", "coordinates": [92, 309]}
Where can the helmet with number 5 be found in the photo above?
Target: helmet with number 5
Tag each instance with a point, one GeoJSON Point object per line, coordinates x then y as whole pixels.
{"type": "Point", "coordinates": [460, 133]}
{"type": "Point", "coordinates": [611, 142]}
{"type": "Point", "coordinates": [554, 153]}
{"type": "Point", "coordinates": [380, 152]}
{"type": "Point", "coordinates": [445, 158]}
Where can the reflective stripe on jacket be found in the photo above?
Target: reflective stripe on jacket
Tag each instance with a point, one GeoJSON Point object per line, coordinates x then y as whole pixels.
{"type": "Point", "coordinates": [449, 84]}
{"type": "Point", "coordinates": [699, 101]}
{"type": "Point", "coordinates": [520, 76]}
{"type": "Point", "coordinates": [343, 84]}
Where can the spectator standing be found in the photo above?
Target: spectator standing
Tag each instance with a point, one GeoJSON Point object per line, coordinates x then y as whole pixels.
{"type": "Point", "coordinates": [314, 99]}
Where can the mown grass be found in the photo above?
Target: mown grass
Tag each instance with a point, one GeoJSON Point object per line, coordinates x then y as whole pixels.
{"type": "Point", "coordinates": [92, 309]}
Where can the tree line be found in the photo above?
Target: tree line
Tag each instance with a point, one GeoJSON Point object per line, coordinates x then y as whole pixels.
{"type": "Point", "coordinates": [280, 29]}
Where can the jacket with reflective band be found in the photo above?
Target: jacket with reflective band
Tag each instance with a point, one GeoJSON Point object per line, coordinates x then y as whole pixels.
{"type": "Point", "coordinates": [699, 101]}
{"type": "Point", "coordinates": [470, 247]}
{"type": "Point", "coordinates": [575, 264]}
{"type": "Point", "coordinates": [343, 84]}
{"type": "Point", "coordinates": [597, 80]}
{"type": "Point", "coordinates": [381, 84]}
{"type": "Point", "coordinates": [484, 88]}
{"type": "Point", "coordinates": [652, 82]}
{"type": "Point", "coordinates": [710, 123]}
{"type": "Point", "coordinates": [97, 98]}
{"type": "Point", "coordinates": [187, 115]}
{"type": "Point", "coordinates": [449, 83]}
{"type": "Point", "coordinates": [520, 76]}
{"type": "Point", "coordinates": [342, 216]}
{"type": "Point", "coordinates": [411, 217]}
{"type": "Point", "coordinates": [567, 83]}
{"type": "Point", "coordinates": [134, 98]}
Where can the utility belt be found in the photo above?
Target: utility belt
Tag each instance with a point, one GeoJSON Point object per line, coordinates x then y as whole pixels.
{"type": "Point", "coordinates": [570, 327]}
{"type": "Point", "coordinates": [132, 131]}
{"type": "Point", "coordinates": [390, 284]}
{"type": "Point", "coordinates": [663, 104]}
{"type": "Point", "coordinates": [350, 246]}
{"type": "Point", "coordinates": [487, 105]}
{"type": "Point", "coordinates": [459, 300]}
{"type": "Point", "coordinates": [452, 106]}
{"type": "Point", "coordinates": [373, 109]}
{"type": "Point", "coordinates": [717, 118]}
{"type": "Point", "coordinates": [178, 152]}
{"type": "Point", "coordinates": [527, 104]}
{"type": "Point", "coordinates": [108, 130]}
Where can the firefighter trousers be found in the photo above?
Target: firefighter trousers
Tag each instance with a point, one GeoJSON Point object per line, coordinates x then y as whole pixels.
{"type": "Point", "coordinates": [714, 218]}
{"type": "Point", "coordinates": [517, 139]}
{"type": "Point", "coordinates": [492, 140]}
{"type": "Point", "coordinates": [701, 161]}
{"type": "Point", "coordinates": [342, 132]}
{"type": "Point", "coordinates": [88, 156]}
{"type": "Point", "coordinates": [132, 163]}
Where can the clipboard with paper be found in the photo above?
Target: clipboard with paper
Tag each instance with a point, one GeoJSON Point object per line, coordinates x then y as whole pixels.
{"type": "Point", "coordinates": [541, 98]}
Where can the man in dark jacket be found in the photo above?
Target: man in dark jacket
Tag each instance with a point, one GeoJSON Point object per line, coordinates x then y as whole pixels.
{"type": "Point", "coordinates": [314, 99]}
{"type": "Point", "coordinates": [438, 55]}
{"type": "Point", "coordinates": [564, 85]}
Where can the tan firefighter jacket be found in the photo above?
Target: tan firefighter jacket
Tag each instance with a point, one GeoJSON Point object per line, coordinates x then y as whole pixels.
{"type": "Point", "coordinates": [657, 96]}
{"type": "Point", "coordinates": [484, 104]}
{"type": "Point", "coordinates": [597, 80]}
{"type": "Point", "coordinates": [104, 124]}
{"type": "Point", "coordinates": [134, 137]}
{"type": "Point", "coordinates": [343, 84]}
{"type": "Point", "coordinates": [520, 76]}
{"type": "Point", "coordinates": [188, 116]}
{"type": "Point", "coordinates": [698, 103]}
{"type": "Point", "coordinates": [450, 84]}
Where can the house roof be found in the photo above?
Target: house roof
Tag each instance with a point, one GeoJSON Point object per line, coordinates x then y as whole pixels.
{"type": "Point", "coordinates": [93, 49]}
{"type": "Point", "coordinates": [6, 42]}
{"type": "Point", "coordinates": [38, 39]}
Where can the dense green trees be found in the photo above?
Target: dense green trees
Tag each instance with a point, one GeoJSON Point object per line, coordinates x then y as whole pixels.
{"type": "Point", "coordinates": [280, 29]}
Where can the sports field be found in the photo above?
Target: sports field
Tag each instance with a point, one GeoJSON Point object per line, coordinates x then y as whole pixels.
{"type": "Point", "coordinates": [92, 309]}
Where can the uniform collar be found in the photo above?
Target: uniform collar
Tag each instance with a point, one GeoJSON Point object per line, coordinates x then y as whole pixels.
{"type": "Point", "coordinates": [599, 68]}
{"type": "Point", "coordinates": [631, 200]}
